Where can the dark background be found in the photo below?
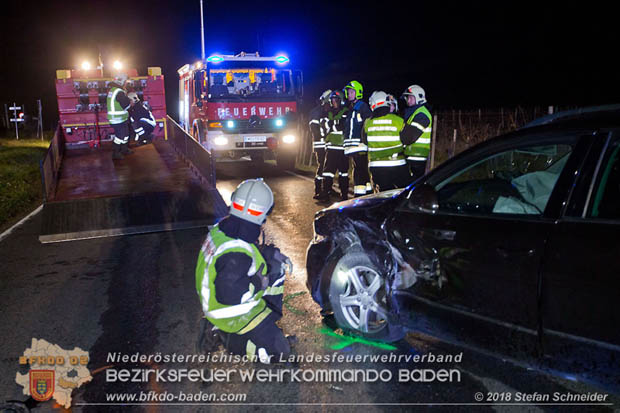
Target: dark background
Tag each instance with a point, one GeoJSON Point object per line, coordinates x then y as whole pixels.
{"type": "Point", "coordinates": [465, 54]}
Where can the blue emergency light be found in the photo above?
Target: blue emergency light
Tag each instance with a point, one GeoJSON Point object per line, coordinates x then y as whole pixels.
{"type": "Point", "coordinates": [282, 59]}
{"type": "Point", "coordinates": [215, 59]}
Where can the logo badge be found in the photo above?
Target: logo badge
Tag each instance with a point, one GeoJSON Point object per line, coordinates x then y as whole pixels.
{"type": "Point", "coordinates": [41, 384]}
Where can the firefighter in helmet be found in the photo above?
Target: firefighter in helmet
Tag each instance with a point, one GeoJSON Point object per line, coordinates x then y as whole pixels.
{"type": "Point", "coordinates": [386, 135]}
{"type": "Point", "coordinates": [318, 139]}
{"type": "Point", "coordinates": [239, 283]}
{"type": "Point", "coordinates": [335, 160]}
{"type": "Point", "coordinates": [142, 120]}
{"type": "Point", "coordinates": [117, 105]}
{"type": "Point", "coordinates": [418, 116]}
{"type": "Point", "coordinates": [353, 145]}
{"type": "Point", "coordinates": [393, 104]}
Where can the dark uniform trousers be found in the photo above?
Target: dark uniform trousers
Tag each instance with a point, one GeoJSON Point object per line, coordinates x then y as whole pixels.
{"type": "Point", "coordinates": [267, 335]}
{"type": "Point", "coordinates": [318, 179]}
{"type": "Point", "coordinates": [417, 168]}
{"type": "Point", "coordinates": [390, 177]}
{"type": "Point", "coordinates": [360, 171]}
{"type": "Point", "coordinates": [336, 161]}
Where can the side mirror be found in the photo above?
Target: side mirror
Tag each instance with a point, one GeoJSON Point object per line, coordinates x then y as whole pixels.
{"type": "Point", "coordinates": [198, 85]}
{"type": "Point", "coordinates": [299, 83]}
{"type": "Point", "coordinates": [424, 199]}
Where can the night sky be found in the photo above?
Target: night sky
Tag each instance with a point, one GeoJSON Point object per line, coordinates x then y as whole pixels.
{"type": "Point", "coordinates": [464, 54]}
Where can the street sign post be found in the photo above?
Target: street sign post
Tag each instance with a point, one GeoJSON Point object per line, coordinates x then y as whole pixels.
{"type": "Point", "coordinates": [16, 119]}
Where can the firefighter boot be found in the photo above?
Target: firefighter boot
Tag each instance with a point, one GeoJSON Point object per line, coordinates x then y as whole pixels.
{"type": "Point", "coordinates": [116, 152]}
{"type": "Point", "coordinates": [125, 149]}
{"type": "Point", "coordinates": [327, 184]}
{"type": "Point", "coordinates": [318, 188]}
{"type": "Point", "coordinates": [343, 183]}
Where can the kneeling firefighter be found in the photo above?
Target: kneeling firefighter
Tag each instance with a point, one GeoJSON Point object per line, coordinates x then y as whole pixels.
{"type": "Point", "coordinates": [142, 119]}
{"type": "Point", "coordinates": [240, 284]}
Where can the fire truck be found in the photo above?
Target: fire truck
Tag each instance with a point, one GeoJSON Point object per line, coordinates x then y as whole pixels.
{"type": "Point", "coordinates": [164, 186]}
{"type": "Point", "coordinates": [243, 105]}
{"type": "Point", "coordinates": [82, 94]}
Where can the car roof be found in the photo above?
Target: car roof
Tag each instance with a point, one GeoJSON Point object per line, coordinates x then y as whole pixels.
{"type": "Point", "coordinates": [593, 116]}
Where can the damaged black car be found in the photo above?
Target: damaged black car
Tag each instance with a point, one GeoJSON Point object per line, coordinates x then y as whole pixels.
{"type": "Point", "coordinates": [512, 245]}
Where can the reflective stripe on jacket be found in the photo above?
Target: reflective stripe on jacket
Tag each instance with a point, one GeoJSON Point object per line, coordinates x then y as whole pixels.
{"type": "Point", "coordinates": [252, 309]}
{"type": "Point", "coordinates": [420, 149]}
{"type": "Point", "coordinates": [116, 114]}
{"type": "Point", "coordinates": [384, 145]}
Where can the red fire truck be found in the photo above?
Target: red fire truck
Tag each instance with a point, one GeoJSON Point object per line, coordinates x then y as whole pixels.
{"type": "Point", "coordinates": [243, 105]}
{"type": "Point", "coordinates": [82, 94]}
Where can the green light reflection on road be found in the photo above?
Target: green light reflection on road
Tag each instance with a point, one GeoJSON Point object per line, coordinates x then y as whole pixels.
{"type": "Point", "coordinates": [346, 341]}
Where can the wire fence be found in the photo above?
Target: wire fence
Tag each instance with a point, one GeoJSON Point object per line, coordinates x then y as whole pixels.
{"type": "Point", "coordinates": [457, 130]}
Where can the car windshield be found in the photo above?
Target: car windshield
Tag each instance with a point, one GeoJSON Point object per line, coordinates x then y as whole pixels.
{"type": "Point", "coordinates": [249, 84]}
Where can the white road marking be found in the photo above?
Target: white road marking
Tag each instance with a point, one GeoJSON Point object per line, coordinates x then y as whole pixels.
{"type": "Point", "coordinates": [14, 227]}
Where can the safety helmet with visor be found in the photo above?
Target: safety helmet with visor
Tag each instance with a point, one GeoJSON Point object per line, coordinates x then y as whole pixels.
{"type": "Point", "coordinates": [252, 201]}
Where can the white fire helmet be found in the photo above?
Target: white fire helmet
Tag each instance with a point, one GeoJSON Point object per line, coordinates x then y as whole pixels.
{"type": "Point", "coordinates": [324, 99]}
{"type": "Point", "coordinates": [417, 92]}
{"type": "Point", "coordinates": [378, 99]}
{"type": "Point", "coordinates": [252, 201]}
{"type": "Point", "coordinates": [134, 97]}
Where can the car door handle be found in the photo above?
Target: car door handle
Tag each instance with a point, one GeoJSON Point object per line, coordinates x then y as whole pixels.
{"type": "Point", "coordinates": [508, 252]}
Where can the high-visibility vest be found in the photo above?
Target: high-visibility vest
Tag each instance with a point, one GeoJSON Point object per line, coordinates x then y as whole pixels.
{"type": "Point", "coordinates": [419, 150]}
{"type": "Point", "coordinates": [334, 138]}
{"type": "Point", "coordinates": [116, 114]}
{"type": "Point", "coordinates": [239, 318]}
{"type": "Point", "coordinates": [384, 145]}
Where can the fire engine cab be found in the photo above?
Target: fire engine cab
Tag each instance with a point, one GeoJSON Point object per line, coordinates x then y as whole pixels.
{"type": "Point", "coordinates": [243, 105]}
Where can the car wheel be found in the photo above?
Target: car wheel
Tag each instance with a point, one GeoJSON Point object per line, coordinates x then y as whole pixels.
{"type": "Point", "coordinates": [357, 295]}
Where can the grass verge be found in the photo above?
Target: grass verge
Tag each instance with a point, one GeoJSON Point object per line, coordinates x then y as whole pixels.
{"type": "Point", "coordinates": [20, 179]}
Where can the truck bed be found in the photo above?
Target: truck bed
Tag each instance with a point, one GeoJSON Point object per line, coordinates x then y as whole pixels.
{"type": "Point", "coordinates": [154, 189]}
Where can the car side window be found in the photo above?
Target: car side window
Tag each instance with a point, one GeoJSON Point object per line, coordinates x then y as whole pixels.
{"type": "Point", "coordinates": [606, 195]}
{"type": "Point", "coordinates": [517, 181]}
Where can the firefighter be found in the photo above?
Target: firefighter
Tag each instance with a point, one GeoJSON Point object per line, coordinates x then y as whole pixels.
{"type": "Point", "coordinates": [335, 159]}
{"type": "Point", "coordinates": [393, 104]}
{"type": "Point", "coordinates": [142, 120]}
{"type": "Point", "coordinates": [318, 140]}
{"type": "Point", "coordinates": [354, 147]}
{"type": "Point", "coordinates": [118, 116]}
{"type": "Point", "coordinates": [386, 134]}
{"type": "Point", "coordinates": [239, 283]}
{"type": "Point", "coordinates": [418, 116]}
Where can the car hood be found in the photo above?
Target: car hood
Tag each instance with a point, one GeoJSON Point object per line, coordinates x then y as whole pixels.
{"type": "Point", "coordinates": [366, 201]}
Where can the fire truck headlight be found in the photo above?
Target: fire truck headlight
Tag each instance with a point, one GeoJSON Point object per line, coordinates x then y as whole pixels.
{"type": "Point", "coordinates": [221, 141]}
{"type": "Point", "coordinates": [230, 124]}
{"type": "Point", "coordinates": [118, 65]}
{"type": "Point", "coordinates": [86, 65]}
{"type": "Point", "coordinates": [288, 138]}
{"type": "Point", "coordinates": [279, 123]}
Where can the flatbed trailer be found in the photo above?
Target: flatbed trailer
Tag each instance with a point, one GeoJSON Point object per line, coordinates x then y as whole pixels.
{"type": "Point", "coordinates": [163, 186]}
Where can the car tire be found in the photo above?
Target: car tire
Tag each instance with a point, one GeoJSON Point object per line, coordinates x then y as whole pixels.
{"type": "Point", "coordinates": [358, 299]}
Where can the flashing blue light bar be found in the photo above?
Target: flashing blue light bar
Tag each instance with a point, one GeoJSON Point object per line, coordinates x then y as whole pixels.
{"type": "Point", "coordinates": [215, 59]}
{"type": "Point", "coordinates": [279, 123]}
{"type": "Point", "coordinates": [282, 59]}
{"type": "Point", "coordinates": [230, 124]}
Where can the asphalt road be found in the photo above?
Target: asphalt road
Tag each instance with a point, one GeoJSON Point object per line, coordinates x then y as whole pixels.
{"type": "Point", "coordinates": [136, 294]}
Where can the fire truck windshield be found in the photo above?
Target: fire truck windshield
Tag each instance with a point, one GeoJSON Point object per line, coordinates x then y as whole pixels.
{"type": "Point", "coordinates": [249, 84]}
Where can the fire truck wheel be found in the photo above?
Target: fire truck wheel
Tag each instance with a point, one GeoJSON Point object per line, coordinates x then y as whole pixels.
{"type": "Point", "coordinates": [285, 161]}
{"type": "Point", "coordinates": [258, 158]}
